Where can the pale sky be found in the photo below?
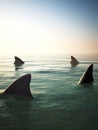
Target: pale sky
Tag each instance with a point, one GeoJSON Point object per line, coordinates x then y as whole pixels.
{"type": "Point", "coordinates": [48, 26]}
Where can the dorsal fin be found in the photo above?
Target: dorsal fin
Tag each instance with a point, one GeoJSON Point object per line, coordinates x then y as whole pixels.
{"type": "Point", "coordinates": [74, 61]}
{"type": "Point", "coordinates": [18, 61]}
{"type": "Point", "coordinates": [87, 76]}
{"type": "Point", "coordinates": [20, 87]}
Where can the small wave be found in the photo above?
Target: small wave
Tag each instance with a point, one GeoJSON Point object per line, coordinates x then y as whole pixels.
{"type": "Point", "coordinates": [45, 71]}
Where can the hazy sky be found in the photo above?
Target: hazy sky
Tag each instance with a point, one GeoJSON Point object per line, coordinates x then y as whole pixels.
{"type": "Point", "coordinates": [48, 26]}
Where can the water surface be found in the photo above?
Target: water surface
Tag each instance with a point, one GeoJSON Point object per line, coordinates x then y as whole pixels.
{"type": "Point", "coordinates": [59, 102]}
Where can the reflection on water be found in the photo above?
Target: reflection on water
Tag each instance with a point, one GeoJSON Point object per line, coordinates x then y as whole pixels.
{"type": "Point", "coordinates": [59, 102]}
{"type": "Point", "coordinates": [18, 67]}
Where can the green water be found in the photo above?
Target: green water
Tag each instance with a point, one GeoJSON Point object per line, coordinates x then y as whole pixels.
{"type": "Point", "coordinates": [59, 103]}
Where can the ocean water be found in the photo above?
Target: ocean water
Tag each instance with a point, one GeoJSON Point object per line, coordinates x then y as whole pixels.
{"type": "Point", "coordinates": [59, 102]}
